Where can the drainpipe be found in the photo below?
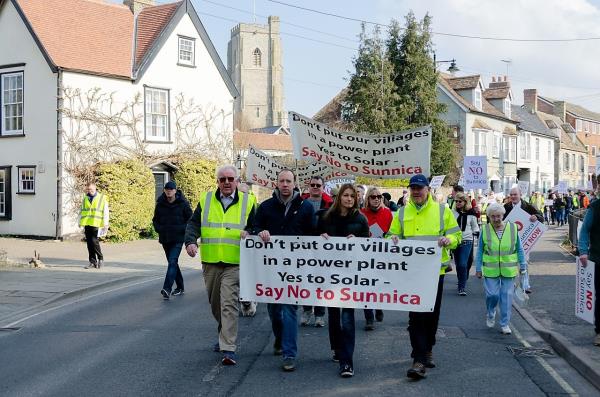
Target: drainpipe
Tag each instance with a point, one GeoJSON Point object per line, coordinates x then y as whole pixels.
{"type": "Point", "coordinates": [59, 162]}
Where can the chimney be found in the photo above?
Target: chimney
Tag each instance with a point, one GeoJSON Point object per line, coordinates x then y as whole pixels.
{"type": "Point", "coordinates": [493, 79]}
{"type": "Point", "coordinates": [560, 109]}
{"type": "Point", "coordinates": [136, 5]}
{"type": "Point", "coordinates": [497, 82]}
{"type": "Point", "coordinates": [530, 99]}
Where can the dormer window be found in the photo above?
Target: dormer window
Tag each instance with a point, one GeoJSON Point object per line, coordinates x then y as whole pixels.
{"type": "Point", "coordinates": [507, 107]}
{"type": "Point", "coordinates": [187, 51]}
{"type": "Point", "coordinates": [256, 56]}
{"type": "Point", "coordinates": [477, 100]}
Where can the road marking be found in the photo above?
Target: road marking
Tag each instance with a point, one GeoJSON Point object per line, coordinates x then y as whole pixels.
{"type": "Point", "coordinates": [551, 371]}
{"type": "Point", "coordinates": [79, 300]}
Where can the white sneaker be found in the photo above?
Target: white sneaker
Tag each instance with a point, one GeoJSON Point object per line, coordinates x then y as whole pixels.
{"type": "Point", "coordinates": [490, 321]}
{"type": "Point", "coordinates": [506, 330]}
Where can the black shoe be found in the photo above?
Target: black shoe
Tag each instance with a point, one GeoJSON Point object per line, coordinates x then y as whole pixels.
{"type": "Point", "coordinates": [417, 371]}
{"type": "Point", "coordinates": [346, 371]}
{"type": "Point", "coordinates": [429, 360]}
{"type": "Point", "coordinates": [100, 263]}
{"type": "Point", "coordinates": [335, 357]}
{"type": "Point", "coordinates": [165, 294]}
{"type": "Point", "coordinates": [379, 315]}
{"type": "Point", "coordinates": [277, 351]}
{"type": "Point", "coordinates": [178, 291]}
{"type": "Point", "coordinates": [369, 326]}
{"type": "Point", "coordinates": [91, 266]}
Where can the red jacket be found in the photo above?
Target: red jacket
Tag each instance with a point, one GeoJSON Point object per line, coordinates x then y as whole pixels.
{"type": "Point", "coordinates": [326, 200]}
{"type": "Point", "coordinates": [382, 217]}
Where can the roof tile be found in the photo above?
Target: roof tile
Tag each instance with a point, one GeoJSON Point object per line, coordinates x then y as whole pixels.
{"type": "Point", "coordinates": [262, 141]}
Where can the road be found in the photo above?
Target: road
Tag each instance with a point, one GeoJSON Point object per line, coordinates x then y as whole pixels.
{"type": "Point", "coordinates": [128, 341]}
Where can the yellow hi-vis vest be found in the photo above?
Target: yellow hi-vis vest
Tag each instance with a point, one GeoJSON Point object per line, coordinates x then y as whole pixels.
{"type": "Point", "coordinates": [500, 256]}
{"type": "Point", "coordinates": [221, 230]}
{"type": "Point", "coordinates": [483, 215]}
{"type": "Point", "coordinates": [92, 214]}
{"type": "Point", "coordinates": [430, 222]}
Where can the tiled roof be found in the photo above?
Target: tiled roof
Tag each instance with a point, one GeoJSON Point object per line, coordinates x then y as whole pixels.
{"type": "Point", "coordinates": [496, 93]}
{"type": "Point", "coordinates": [566, 142]}
{"type": "Point", "coordinates": [283, 143]}
{"type": "Point", "coordinates": [576, 109]}
{"type": "Point", "coordinates": [530, 121]}
{"type": "Point", "coordinates": [92, 35]}
{"type": "Point", "coordinates": [464, 83]}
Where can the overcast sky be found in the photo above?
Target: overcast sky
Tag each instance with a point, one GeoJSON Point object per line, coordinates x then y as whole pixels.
{"type": "Point", "coordinates": [315, 70]}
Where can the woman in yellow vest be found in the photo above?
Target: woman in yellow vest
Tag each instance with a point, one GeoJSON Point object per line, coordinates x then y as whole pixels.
{"type": "Point", "coordinates": [499, 259]}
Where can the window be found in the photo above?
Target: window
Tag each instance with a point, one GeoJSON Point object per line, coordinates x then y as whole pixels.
{"type": "Point", "coordinates": [578, 126]}
{"type": "Point", "coordinates": [537, 149]}
{"type": "Point", "coordinates": [566, 162]}
{"type": "Point", "coordinates": [572, 164]}
{"type": "Point", "coordinates": [510, 148]}
{"type": "Point", "coordinates": [26, 179]}
{"type": "Point", "coordinates": [594, 151]}
{"type": "Point", "coordinates": [186, 51]}
{"type": "Point", "coordinates": [257, 112]}
{"type": "Point", "coordinates": [479, 147]}
{"type": "Point", "coordinates": [594, 128]}
{"type": "Point", "coordinates": [549, 151]}
{"type": "Point", "coordinates": [157, 114]}
{"type": "Point", "coordinates": [5, 197]}
{"type": "Point", "coordinates": [586, 126]}
{"type": "Point", "coordinates": [478, 98]}
{"type": "Point", "coordinates": [12, 104]}
{"type": "Point", "coordinates": [525, 146]}
{"type": "Point", "coordinates": [507, 107]}
{"type": "Point", "coordinates": [496, 145]}
{"type": "Point", "coordinates": [256, 56]}
{"type": "Point", "coordinates": [581, 164]}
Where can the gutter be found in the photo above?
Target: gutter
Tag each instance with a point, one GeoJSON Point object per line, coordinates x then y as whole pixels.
{"type": "Point", "coordinates": [59, 162]}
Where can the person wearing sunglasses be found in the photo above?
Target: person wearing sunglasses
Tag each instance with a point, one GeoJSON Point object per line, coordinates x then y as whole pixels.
{"type": "Point", "coordinates": [380, 219]}
{"type": "Point", "coordinates": [222, 217]}
{"type": "Point", "coordinates": [319, 200]}
{"type": "Point", "coordinates": [467, 221]}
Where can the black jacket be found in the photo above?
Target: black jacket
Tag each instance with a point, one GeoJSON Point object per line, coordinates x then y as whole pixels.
{"type": "Point", "coordinates": [341, 226]}
{"type": "Point", "coordinates": [525, 206]}
{"type": "Point", "coordinates": [170, 219]}
{"type": "Point", "coordinates": [271, 215]}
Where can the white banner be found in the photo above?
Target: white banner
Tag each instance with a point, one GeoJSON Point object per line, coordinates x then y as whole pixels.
{"type": "Point", "coordinates": [529, 232]}
{"type": "Point", "coordinates": [333, 183]}
{"type": "Point", "coordinates": [475, 172]}
{"type": "Point", "coordinates": [436, 181]}
{"type": "Point", "coordinates": [585, 292]}
{"type": "Point", "coordinates": [340, 272]}
{"type": "Point", "coordinates": [524, 187]}
{"type": "Point", "coordinates": [262, 169]}
{"type": "Point", "coordinates": [397, 155]}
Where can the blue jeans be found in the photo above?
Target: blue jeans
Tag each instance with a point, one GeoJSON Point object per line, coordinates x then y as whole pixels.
{"type": "Point", "coordinates": [172, 251]}
{"type": "Point", "coordinates": [560, 216]}
{"type": "Point", "coordinates": [499, 292]}
{"type": "Point", "coordinates": [284, 321]}
{"type": "Point", "coordinates": [341, 333]}
{"type": "Point", "coordinates": [461, 259]}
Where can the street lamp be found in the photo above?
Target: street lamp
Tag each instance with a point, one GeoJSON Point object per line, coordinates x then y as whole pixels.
{"type": "Point", "coordinates": [452, 69]}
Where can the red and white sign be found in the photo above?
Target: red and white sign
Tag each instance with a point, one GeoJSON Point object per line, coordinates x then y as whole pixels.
{"type": "Point", "coordinates": [585, 298]}
{"type": "Point", "coordinates": [340, 272]}
{"type": "Point", "coordinates": [529, 232]}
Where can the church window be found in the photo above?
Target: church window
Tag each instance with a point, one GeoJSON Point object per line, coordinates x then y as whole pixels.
{"type": "Point", "coordinates": [256, 55]}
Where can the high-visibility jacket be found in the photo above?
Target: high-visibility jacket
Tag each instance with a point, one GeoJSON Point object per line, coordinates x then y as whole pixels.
{"type": "Point", "coordinates": [221, 230]}
{"type": "Point", "coordinates": [537, 202]}
{"type": "Point", "coordinates": [575, 201]}
{"type": "Point", "coordinates": [92, 214]}
{"type": "Point", "coordinates": [484, 213]}
{"type": "Point", "coordinates": [500, 255]}
{"type": "Point", "coordinates": [430, 222]}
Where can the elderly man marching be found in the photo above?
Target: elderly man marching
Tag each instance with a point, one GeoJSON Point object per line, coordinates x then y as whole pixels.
{"type": "Point", "coordinates": [424, 219]}
{"type": "Point", "coordinates": [220, 220]}
{"type": "Point", "coordinates": [499, 257]}
{"type": "Point", "coordinates": [93, 217]}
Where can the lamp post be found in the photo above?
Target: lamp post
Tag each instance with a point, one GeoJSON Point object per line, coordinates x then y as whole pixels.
{"type": "Point", "coordinates": [452, 68]}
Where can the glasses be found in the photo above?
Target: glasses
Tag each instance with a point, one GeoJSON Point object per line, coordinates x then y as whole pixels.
{"type": "Point", "coordinates": [224, 179]}
{"type": "Point", "coordinates": [315, 185]}
{"type": "Point", "coordinates": [376, 196]}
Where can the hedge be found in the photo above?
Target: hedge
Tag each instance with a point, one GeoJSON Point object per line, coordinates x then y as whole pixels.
{"type": "Point", "coordinates": [195, 176]}
{"type": "Point", "coordinates": [129, 186]}
{"type": "Point", "coordinates": [361, 180]}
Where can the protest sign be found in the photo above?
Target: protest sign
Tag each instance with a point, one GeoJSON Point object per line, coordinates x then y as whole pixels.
{"type": "Point", "coordinates": [436, 181]}
{"type": "Point", "coordinates": [262, 169]}
{"type": "Point", "coordinates": [529, 232]}
{"type": "Point", "coordinates": [524, 188]}
{"type": "Point", "coordinates": [585, 295]}
{"type": "Point", "coordinates": [396, 155]}
{"type": "Point", "coordinates": [330, 184]}
{"type": "Point", "coordinates": [562, 187]}
{"type": "Point", "coordinates": [475, 172]}
{"type": "Point", "coordinates": [340, 272]}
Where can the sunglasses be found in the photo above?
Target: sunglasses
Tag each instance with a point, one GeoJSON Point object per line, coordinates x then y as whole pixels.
{"type": "Point", "coordinates": [315, 185]}
{"type": "Point", "coordinates": [224, 179]}
{"type": "Point", "coordinates": [376, 196]}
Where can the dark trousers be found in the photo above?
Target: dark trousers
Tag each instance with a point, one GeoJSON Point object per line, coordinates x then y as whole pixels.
{"type": "Point", "coordinates": [369, 315]}
{"type": "Point", "coordinates": [597, 303]}
{"type": "Point", "coordinates": [93, 244]}
{"type": "Point", "coordinates": [422, 327]}
{"type": "Point", "coordinates": [172, 251]}
{"type": "Point", "coordinates": [319, 310]}
{"type": "Point", "coordinates": [341, 333]}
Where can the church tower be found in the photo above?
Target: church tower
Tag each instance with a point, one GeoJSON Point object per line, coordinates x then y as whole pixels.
{"type": "Point", "coordinates": [255, 65]}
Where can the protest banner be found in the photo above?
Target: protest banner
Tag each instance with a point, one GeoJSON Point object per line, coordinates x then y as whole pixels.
{"type": "Point", "coordinates": [396, 155]}
{"type": "Point", "coordinates": [475, 172]}
{"type": "Point", "coordinates": [562, 187]}
{"type": "Point", "coordinates": [330, 184]}
{"type": "Point", "coordinates": [529, 232]}
{"type": "Point", "coordinates": [585, 295]}
{"type": "Point", "coordinates": [524, 187]}
{"type": "Point", "coordinates": [436, 181]}
{"type": "Point", "coordinates": [262, 169]}
{"type": "Point", "coordinates": [340, 272]}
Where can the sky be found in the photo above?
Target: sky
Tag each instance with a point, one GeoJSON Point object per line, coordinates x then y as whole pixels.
{"type": "Point", "coordinates": [318, 49]}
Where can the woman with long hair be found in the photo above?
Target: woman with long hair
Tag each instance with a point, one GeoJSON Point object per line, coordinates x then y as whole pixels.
{"type": "Point", "coordinates": [467, 221]}
{"type": "Point", "coordinates": [343, 219]}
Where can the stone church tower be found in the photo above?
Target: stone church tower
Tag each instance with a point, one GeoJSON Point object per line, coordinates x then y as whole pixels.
{"type": "Point", "coordinates": [254, 63]}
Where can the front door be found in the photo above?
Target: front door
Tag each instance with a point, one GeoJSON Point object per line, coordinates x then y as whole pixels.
{"type": "Point", "coordinates": [160, 178]}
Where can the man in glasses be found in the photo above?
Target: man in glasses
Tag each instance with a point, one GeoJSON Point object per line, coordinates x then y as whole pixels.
{"type": "Point", "coordinates": [220, 220]}
{"type": "Point", "coordinates": [319, 200]}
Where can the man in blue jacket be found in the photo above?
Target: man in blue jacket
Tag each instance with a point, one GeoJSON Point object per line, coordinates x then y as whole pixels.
{"type": "Point", "coordinates": [284, 214]}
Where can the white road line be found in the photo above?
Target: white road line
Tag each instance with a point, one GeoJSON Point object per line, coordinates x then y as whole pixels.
{"type": "Point", "coordinates": [79, 300]}
{"type": "Point", "coordinates": [551, 371]}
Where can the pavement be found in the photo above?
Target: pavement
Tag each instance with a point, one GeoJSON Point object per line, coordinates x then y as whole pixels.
{"type": "Point", "coordinates": [23, 290]}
